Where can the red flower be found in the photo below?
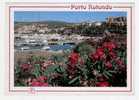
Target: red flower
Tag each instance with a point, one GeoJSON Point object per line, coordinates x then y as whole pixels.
{"type": "Point", "coordinates": [101, 78]}
{"type": "Point", "coordinates": [38, 83]}
{"type": "Point", "coordinates": [109, 45]}
{"type": "Point", "coordinates": [99, 54]}
{"type": "Point", "coordinates": [73, 58]}
{"type": "Point", "coordinates": [44, 84]}
{"type": "Point", "coordinates": [108, 65]}
{"type": "Point", "coordinates": [103, 84]}
{"type": "Point", "coordinates": [42, 78]}
{"type": "Point", "coordinates": [46, 64]}
{"type": "Point", "coordinates": [119, 62]}
{"type": "Point", "coordinates": [94, 56]}
{"type": "Point", "coordinates": [81, 61]}
{"type": "Point", "coordinates": [25, 66]}
{"type": "Point", "coordinates": [35, 83]}
{"type": "Point", "coordinates": [112, 54]}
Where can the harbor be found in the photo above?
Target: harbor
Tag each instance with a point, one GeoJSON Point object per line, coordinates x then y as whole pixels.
{"type": "Point", "coordinates": [54, 42]}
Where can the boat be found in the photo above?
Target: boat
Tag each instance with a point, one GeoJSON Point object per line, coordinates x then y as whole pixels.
{"type": "Point", "coordinates": [45, 48]}
{"type": "Point", "coordinates": [25, 48]}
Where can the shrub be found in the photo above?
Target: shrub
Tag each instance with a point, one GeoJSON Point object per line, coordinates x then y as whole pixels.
{"type": "Point", "coordinates": [103, 66]}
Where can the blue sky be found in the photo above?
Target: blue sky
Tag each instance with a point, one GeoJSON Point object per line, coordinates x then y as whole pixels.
{"type": "Point", "coordinates": [75, 17]}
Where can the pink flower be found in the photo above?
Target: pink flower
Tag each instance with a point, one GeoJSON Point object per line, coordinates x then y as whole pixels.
{"type": "Point", "coordinates": [109, 45]}
{"type": "Point", "coordinates": [120, 62]}
{"type": "Point", "coordinates": [46, 64]}
{"type": "Point", "coordinates": [25, 66]}
{"type": "Point", "coordinates": [38, 83]}
{"type": "Point", "coordinates": [108, 65]}
{"type": "Point", "coordinates": [112, 54]}
{"type": "Point", "coordinates": [42, 78]}
{"type": "Point", "coordinates": [73, 58]}
{"type": "Point", "coordinates": [98, 55]}
{"type": "Point", "coordinates": [100, 52]}
{"type": "Point", "coordinates": [45, 84]}
{"type": "Point", "coordinates": [103, 84]}
{"type": "Point", "coordinates": [94, 56]}
{"type": "Point", "coordinates": [81, 61]}
{"type": "Point", "coordinates": [101, 78]}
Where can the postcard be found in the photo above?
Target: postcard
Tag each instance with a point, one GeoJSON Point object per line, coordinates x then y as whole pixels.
{"type": "Point", "coordinates": [69, 47]}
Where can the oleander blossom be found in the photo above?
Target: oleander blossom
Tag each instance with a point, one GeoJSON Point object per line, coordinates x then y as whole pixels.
{"type": "Point", "coordinates": [37, 83]}
{"type": "Point", "coordinates": [46, 64]}
{"type": "Point", "coordinates": [98, 55]}
{"type": "Point", "coordinates": [120, 62]}
{"type": "Point", "coordinates": [103, 84]}
{"type": "Point", "coordinates": [102, 66]}
{"type": "Point", "coordinates": [109, 45]}
{"type": "Point", "coordinates": [112, 54]}
{"type": "Point", "coordinates": [42, 78]}
{"type": "Point", "coordinates": [108, 65]}
{"type": "Point", "coordinates": [73, 58]}
{"type": "Point", "coordinates": [25, 66]}
{"type": "Point", "coordinates": [40, 81]}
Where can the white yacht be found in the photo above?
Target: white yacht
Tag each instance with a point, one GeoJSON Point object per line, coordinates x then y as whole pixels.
{"type": "Point", "coordinates": [45, 48]}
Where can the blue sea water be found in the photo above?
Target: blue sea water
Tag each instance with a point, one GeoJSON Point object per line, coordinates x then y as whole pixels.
{"type": "Point", "coordinates": [61, 47]}
{"type": "Point", "coordinates": [52, 47]}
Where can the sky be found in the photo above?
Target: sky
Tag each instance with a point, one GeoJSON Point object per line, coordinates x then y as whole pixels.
{"type": "Point", "coordinates": [73, 17]}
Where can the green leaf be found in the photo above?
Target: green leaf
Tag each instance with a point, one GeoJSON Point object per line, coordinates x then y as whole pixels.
{"type": "Point", "coordinates": [36, 71]}
{"type": "Point", "coordinates": [74, 79]}
{"type": "Point", "coordinates": [50, 69]}
{"type": "Point", "coordinates": [108, 73]}
{"type": "Point", "coordinates": [60, 69]}
{"type": "Point", "coordinates": [98, 67]}
{"type": "Point", "coordinates": [106, 76]}
{"type": "Point", "coordinates": [17, 69]}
